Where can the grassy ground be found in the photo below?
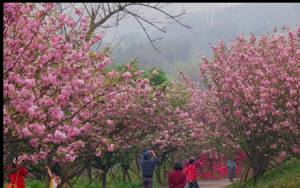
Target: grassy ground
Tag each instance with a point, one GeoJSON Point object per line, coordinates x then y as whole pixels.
{"type": "Point", "coordinates": [83, 182]}
{"type": "Point", "coordinates": [275, 178]}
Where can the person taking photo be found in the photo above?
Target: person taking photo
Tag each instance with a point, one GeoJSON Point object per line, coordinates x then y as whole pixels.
{"type": "Point", "coordinates": [148, 166]}
{"type": "Point", "coordinates": [190, 170]}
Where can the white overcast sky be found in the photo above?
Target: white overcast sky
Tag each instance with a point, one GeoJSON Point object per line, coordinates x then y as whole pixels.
{"type": "Point", "coordinates": [194, 7]}
{"type": "Point", "coordinates": [130, 25]}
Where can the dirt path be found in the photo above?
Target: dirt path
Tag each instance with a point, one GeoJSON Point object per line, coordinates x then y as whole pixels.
{"type": "Point", "coordinates": [212, 183]}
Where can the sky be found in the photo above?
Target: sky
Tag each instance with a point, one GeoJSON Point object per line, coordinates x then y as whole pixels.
{"type": "Point", "coordinates": [195, 7]}
{"type": "Point", "coordinates": [130, 25]}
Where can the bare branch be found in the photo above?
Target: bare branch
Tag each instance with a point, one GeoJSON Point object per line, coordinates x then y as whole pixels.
{"type": "Point", "coordinates": [105, 18]}
{"type": "Point", "coordinates": [106, 15]}
{"type": "Point", "coordinates": [84, 4]}
{"type": "Point", "coordinates": [145, 31]}
{"type": "Point", "coordinates": [145, 20]}
{"type": "Point", "coordinates": [113, 48]}
{"type": "Point", "coordinates": [173, 17]}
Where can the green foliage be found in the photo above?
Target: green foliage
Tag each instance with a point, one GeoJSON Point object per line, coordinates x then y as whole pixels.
{"type": "Point", "coordinates": [34, 184]}
{"type": "Point", "coordinates": [155, 79]}
{"type": "Point", "coordinates": [275, 178]}
{"type": "Point", "coordinates": [120, 67]}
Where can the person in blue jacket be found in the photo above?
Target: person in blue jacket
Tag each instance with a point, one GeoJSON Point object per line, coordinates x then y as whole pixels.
{"type": "Point", "coordinates": [148, 166]}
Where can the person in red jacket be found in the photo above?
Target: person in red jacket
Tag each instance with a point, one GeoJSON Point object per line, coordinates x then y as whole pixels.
{"type": "Point", "coordinates": [20, 174]}
{"type": "Point", "coordinates": [177, 178]}
{"type": "Point", "coordinates": [190, 170]}
{"type": "Point", "coordinates": [197, 163]}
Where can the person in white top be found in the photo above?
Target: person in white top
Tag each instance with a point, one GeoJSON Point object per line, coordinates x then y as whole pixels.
{"type": "Point", "coordinates": [55, 179]}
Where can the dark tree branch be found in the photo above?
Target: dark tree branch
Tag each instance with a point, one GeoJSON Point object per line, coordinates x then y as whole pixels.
{"type": "Point", "coordinates": [107, 15]}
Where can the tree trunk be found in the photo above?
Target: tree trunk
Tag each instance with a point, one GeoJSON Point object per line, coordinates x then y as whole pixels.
{"type": "Point", "coordinates": [137, 165]}
{"type": "Point", "coordinates": [46, 181]}
{"type": "Point", "coordinates": [211, 167]}
{"type": "Point", "coordinates": [128, 176]}
{"type": "Point", "coordinates": [183, 156]}
{"type": "Point", "coordinates": [158, 173]}
{"type": "Point", "coordinates": [259, 167]}
{"type": "Point", "coordinates": [104, 179]}
{"type": "Point", "coordinates": [165, 174]}
{"type": "Point", "coordinates": [246, 173]}
{"type": "Point", "coordinates": [124, 175]}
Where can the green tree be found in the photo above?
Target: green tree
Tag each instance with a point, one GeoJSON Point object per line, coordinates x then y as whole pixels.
{"type": "Point", "coordinates": [156, 79]}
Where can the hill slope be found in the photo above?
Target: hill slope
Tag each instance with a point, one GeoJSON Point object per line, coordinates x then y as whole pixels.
{"type": "Point", "coordinates": [181, 48]}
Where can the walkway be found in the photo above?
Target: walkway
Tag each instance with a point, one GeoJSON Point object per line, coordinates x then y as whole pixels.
{"type": "Point", "coordinates": [212, 183]}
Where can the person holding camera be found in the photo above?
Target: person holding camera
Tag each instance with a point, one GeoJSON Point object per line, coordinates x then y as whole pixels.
{"type": "Point", "coordinates": [148, 166]}
{"type": "Point", "coordinates": [191, 174]}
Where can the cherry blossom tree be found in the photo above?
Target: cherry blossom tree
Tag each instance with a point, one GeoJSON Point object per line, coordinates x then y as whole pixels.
{"type": "Point", "coordinates": [61, 103]}
{"type": "Point", "coordinates": [49, 87]}
{"type": "Point", "coordinates": [55, 89]}
{"type": "Point", "coordinates": [254, 94]}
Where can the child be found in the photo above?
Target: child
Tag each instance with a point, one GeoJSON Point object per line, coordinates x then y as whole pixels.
{"type": "Point", "coordinates": [55, 179]}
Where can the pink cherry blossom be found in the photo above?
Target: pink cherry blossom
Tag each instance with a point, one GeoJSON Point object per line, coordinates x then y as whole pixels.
{"type": "Point", "coordinates": [110, 148]}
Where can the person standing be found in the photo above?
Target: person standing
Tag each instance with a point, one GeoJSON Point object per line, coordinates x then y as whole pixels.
{"type": "Point", "coordinates": [17, 177]}
{"type": "Point", "coordinates": [190, 170]}
{"type": "Point", "coordinates": [177, 178]}
{"type": "Point", "coordinates": [55, 180]}
{"type": "Point", "coordinates": [231, 169]}
{"type": "Point", "coordinates": [197, 163]}
{"type": "Point", "coordinates": [148, 166]}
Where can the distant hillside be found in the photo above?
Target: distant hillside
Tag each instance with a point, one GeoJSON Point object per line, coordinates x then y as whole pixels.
{"type": "Point", "coordinates": [181, 47]}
